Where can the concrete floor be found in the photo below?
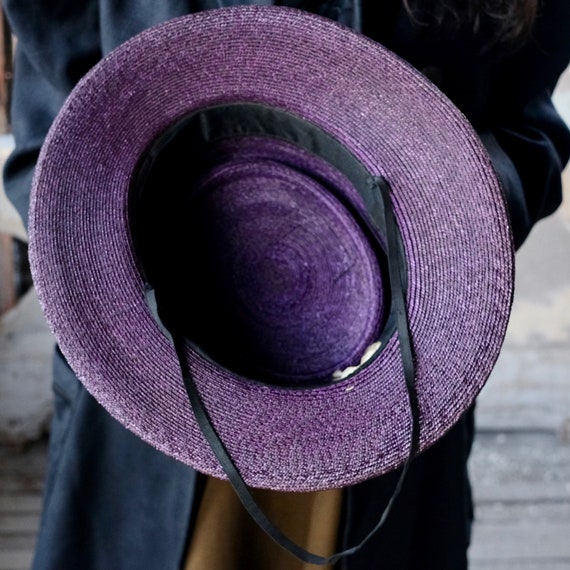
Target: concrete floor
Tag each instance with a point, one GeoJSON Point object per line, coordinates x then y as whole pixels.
{"type": "Point", "coordinates": [521, 461]}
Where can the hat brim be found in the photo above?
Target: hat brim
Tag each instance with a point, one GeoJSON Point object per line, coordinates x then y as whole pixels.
{"type": "Point", "coordinates": [448, 204]}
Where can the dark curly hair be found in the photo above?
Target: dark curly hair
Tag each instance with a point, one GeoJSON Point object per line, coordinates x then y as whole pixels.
{"type": "Point", "coordinates": [500, 21]}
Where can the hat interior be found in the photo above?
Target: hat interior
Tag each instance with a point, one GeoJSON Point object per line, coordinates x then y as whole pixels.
{"type": "Point", "coordinates": [264, 241]}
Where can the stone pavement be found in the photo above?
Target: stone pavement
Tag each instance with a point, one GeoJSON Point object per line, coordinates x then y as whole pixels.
{"type": "Point", "coordinates": [521, 460]}
{"type": "Point", "coordinates": [520, 465]}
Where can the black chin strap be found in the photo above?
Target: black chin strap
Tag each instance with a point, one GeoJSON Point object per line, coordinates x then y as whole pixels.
{"type": "Point", "coordinates": [395, 269]}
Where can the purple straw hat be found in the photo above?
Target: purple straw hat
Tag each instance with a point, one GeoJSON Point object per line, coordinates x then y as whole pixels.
{"type": "Point", "coordinates": [232, 181]}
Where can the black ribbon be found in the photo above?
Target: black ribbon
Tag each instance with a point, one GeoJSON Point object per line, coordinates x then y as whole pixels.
{"type": "Point", "coordinates": [396, 266]}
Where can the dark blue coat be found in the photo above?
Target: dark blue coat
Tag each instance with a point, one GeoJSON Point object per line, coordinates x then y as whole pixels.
{"type": "Point", "coordinates": [111, 501]}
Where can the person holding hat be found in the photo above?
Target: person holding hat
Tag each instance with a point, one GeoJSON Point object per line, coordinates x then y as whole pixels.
{"type": "Point", "coordinates": [311, 148]}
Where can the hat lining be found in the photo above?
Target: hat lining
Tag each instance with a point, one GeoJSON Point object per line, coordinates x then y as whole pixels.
{"type": "Point", "coordinates": [203, 130]}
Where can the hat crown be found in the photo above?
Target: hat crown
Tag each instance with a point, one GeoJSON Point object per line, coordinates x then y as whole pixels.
{"type": "Point", "coordinates": [262, 265]}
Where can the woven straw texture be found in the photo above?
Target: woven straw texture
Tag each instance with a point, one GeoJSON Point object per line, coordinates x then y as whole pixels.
{"type": "Point", "coordinates": [448, 204]}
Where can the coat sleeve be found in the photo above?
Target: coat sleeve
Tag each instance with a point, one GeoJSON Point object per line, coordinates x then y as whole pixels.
{"type": "Point", "coordinates": [528, 142]}
{"type": "Point", "coordinates": [58, 41]}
